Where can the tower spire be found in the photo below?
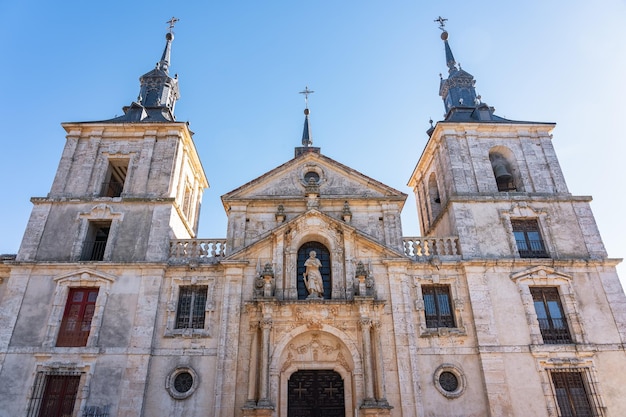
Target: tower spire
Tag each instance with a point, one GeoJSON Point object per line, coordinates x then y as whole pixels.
{"type": "Point", "coordinates": [458, 92]}
{"type": "Point", "coordinates": [307, 139]}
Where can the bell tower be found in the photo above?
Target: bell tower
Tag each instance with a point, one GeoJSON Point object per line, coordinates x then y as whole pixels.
{"type": "Point", "coordinates": [497, 183]}
{"type": "Point", "coordinates": [124, 186]}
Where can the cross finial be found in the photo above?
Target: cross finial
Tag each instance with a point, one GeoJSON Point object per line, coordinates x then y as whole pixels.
{"type": "Point", "coordinates": [172, 22]}
{"type": "Point", "coordinates": [442, 23]}
{"type": "Point", "coordinates": [306, 93]}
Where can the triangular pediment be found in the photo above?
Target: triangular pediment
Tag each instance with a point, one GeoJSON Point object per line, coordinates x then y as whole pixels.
{"type": "Point", "coordinates": [334, 179]}
{"type": "Point", "coordinates": [540, 272]}
{"type": "Point", "coordinates": [313, 225]}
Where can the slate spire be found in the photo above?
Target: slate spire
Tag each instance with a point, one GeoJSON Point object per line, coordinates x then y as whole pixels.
{"type": "Point", "coordinates": [307, 138]}
{"type": "Point", "coordinates": [158, 91]}
{"type": "Point", "coordinates": [458, 92]}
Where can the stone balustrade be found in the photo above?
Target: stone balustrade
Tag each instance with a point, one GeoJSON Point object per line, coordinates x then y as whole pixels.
{"type": "Point", "coordinates": [184, 249]}
{"type": "Point", "coordinates": [424, 247]}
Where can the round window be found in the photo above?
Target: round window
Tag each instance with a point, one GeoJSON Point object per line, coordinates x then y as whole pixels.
{"type": "Point", "coordinates": [311, 176]}
{"type": "Point", "coordinates": [181, 383]}
{"type": "Point", "coordinates": [449, 380]}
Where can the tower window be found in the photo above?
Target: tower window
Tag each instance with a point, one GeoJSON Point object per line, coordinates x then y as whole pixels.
{"type": "Point", "coordinates": [502, 172]}
{"type": "Point", "coordinates": [96, 241]}
{"type": "Point", "coordinates": [437, 306]}
{"type": "Point", "coordinates": [574, 393]}
{"type": "Point", "coordinates": [552, 322]}
{"type": "Point", "coordinates": [191, 307]}
{"type": "Point", "coordinates": [115, 178]}
{"type": "Point", "coordinates": [79, 311]}
{"type": "Point", "coordinates": [528, 239]}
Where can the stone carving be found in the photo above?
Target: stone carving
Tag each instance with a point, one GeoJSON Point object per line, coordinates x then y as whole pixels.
{"type": "Point", "coordinates": [312, 277]}
{"type": "Point", "coordinates": [364, 282]}
{"type": "Point", "coordinates": [264, 283]}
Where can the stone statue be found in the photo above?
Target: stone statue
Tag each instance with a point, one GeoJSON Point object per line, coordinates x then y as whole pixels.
{"type": "Point", "coordinates": [312, 276]}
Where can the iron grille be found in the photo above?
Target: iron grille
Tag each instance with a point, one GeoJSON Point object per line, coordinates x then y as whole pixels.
{"type": "Point", "coordinates": [54, 394]}
{"type": "Point", "coordinates": [528, 239]}
{"type": "Point", "coordinates": [575, 393]}
{"type": "Point", "coordinates": [552, 322]}
{"type": "Point", "coordinates": [191, 307]}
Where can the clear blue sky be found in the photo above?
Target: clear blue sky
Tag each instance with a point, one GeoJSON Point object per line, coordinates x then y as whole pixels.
{"type": "Point", "coordinates": [374, 67]}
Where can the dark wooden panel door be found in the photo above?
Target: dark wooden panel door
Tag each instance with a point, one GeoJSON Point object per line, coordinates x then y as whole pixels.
{"type": "Point", "coordinates": [315, 393]}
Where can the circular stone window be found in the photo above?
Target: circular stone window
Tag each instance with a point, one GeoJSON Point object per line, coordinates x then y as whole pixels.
{"type": "Point", "coordinates": [449, 380]}
{"type": "Point", "coordinates": [181, 383]}
{"type": "Point", "coordinates": [311, 176]}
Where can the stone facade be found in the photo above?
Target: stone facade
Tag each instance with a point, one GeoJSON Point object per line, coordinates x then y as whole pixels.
{"type": "Point", "coordinates": [450, 323]}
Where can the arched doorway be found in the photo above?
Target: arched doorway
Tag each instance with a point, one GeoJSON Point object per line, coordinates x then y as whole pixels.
{"type": "Point", "coordinates": [323, 255]}
{"type": "Point", "coordinates": [315, 393]}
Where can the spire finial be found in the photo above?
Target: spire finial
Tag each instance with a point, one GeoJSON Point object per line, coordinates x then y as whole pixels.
{"type": "Point", "coordinates": [442, 23]}
{"type": "Point", "coordinates": [171, 23]}
{"type": "Point", "coordinates": [307, 140]}
{"type": "Point", "coordinates": [306, 93]}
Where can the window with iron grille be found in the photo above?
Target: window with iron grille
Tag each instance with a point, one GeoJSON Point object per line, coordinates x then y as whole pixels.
{"type": "Point", "coordinates": [574, 393]}
{"type": "Point", "coordinates": [191, 307]}
{"type": "Point", "coordinates": [528, 239]}
{"type": "Point", "coordinates": [552, 322]}
{"type": "Point", "coordinates": [79, 311]}
{"type": "Point", "coordinates": [54, 394]}
{"type": "Point", "coordinates": [437, 306]}
{"type": "Point", "coordinates": [96, 241]}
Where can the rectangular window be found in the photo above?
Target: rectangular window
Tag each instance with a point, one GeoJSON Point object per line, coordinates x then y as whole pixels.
{"type": "Point", "coordinates": [528, 239]}
{"type": "Point", "coordinates": [54, 394]}
{"type": "Point", "coordinates": [552, 322]}
{"type": "Point", "coordinates": [191, 307]}
{"type": "Point", "coordinates": [96, 241]}
{"type": "Point", "coordinates": [437, 306]}
{"type": "Point", "coordinates": [115, 178]}
{"type": "Point", "coordinates": [76, 323]}
{"type": "Point", "coordinates": [574, 395]}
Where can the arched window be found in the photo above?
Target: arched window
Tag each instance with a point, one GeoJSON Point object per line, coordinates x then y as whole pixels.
{"type": "Point", "coordinates": [321, 253]}
{"type": "Point", "coordinates": [434, 197]}
{"type": "Point", "coordinates": [503, 171]}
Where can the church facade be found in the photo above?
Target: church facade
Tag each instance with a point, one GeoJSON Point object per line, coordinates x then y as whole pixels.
{"type": "Point", "coordinates": [314, 304]}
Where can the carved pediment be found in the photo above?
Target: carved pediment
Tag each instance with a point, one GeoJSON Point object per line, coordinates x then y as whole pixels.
{"type": "Point", "coordinates": [292, 178]}
{"type": "Point", "coordinates": [540, 272]}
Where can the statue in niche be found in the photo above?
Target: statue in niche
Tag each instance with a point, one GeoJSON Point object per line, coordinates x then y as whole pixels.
{"type": "Point", "coordinates": [312, 276]}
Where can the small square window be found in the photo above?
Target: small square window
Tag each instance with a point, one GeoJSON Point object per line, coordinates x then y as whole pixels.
{"type": "Point", "coordinates": [528, 239]}
{"type": "Point", "coordinates": [438, 306]}
{"type": "Point", "coordinates": [191, 307]}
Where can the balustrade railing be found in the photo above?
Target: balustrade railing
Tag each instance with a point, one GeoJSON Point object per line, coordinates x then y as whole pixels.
{"type": "Point", "coordinates": [424, 247]}
{"type": "Point", "coordinates": [197, 248]}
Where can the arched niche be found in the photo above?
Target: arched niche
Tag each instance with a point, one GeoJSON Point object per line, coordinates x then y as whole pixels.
{"type": "Point", "coordinates": [505, 170]}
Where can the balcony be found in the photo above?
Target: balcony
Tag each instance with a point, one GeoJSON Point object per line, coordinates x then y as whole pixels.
{"type": "Point", "coordinates": [203, 250]}
{"type": "Point", "coordinates": [422, 248]}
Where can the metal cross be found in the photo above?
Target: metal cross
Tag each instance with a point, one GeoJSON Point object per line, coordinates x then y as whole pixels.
{"type": "Point", "coordinates": [300, 390]}
{"type": "Point", "coordinates": [172, 22]}
{"type": "Point", "coordinates": [306, 93]}
{"type": "Point", "coordinates": [442, 22]}
{"type": "Point", "coordinates": [331, 390]}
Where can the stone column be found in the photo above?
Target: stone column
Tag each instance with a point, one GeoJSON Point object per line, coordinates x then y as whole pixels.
{"type": "Point", "coordinates": [381, 394]}
{"type": "Point", "coordinates": [254, 356]}
{"type": "Point", "coordinates": [264, 398]}
{"type": "Point", "coordinates": [365, 324]}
